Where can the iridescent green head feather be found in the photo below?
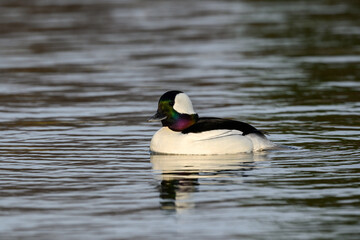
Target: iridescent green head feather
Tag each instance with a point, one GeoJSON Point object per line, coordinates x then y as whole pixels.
{"type": "Point", "coordinates": [175, 111]}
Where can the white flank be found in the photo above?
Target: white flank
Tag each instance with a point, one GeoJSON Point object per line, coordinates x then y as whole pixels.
{"type": "Point", "coordinates": [260, 143]}
{"type": "Point", "coordinates": [213, 142]}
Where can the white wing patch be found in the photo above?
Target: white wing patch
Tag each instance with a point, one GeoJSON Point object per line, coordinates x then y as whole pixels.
{"type": "Point", "coordinates": [216, 134]}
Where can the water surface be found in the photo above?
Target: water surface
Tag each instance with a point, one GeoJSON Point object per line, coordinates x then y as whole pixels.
{"type": "Point", "coordinates": [79, 80]}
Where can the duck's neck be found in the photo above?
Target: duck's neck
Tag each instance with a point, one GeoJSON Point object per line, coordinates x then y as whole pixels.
{"type": "Point", "coordinates": [179, 122]}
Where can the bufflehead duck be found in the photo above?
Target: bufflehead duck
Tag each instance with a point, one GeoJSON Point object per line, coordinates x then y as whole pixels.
{"type": "Point", "coordinates": [184, 132]}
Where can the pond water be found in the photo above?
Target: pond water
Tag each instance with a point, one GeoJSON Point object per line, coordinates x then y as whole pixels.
{"type": "Point", "coordinates": [79, 79]}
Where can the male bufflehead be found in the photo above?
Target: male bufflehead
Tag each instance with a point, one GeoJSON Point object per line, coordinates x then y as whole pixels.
{"type": "Point", "coordinates": [184, 132]}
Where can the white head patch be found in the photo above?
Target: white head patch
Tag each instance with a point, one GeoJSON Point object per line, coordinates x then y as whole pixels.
{"type": "Point", "coordinates": [183, 104]}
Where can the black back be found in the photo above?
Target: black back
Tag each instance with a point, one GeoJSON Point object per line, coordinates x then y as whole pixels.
{"type": "Point", "coordinates": [209, 123]}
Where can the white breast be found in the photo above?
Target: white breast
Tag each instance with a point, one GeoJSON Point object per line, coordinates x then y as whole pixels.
{"type": "Point", "coordinates": [211, 142]}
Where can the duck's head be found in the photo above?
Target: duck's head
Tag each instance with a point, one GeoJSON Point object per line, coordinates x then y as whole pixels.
{"type": "Point", "coordinates": [175, 111]}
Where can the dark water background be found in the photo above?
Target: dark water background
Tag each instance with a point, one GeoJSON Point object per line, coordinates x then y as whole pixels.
{"type": "Point", "coordinates": [78, 79]}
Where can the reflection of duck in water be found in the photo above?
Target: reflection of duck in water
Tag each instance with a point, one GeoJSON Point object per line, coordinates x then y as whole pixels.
{"type": "Point", "coordinates": [181, 175]}
{"type": "Point", "coordinates": [174, 193]}
{"type": "Point", "coordinates": [184, 132]}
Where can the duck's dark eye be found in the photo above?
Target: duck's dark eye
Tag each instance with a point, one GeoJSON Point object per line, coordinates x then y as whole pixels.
{"type": "Point", "coordinates": [171, 103]}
